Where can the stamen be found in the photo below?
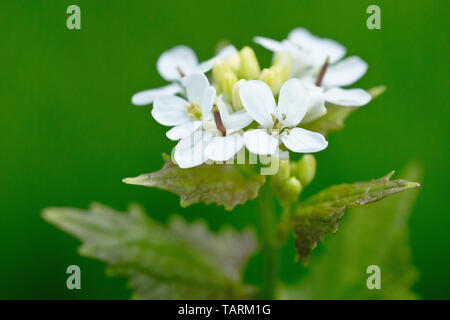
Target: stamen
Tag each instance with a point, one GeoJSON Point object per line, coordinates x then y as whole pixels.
{"type": "Point", "coordinates": [322, 72]}
{"type": "Point", "coordinates": [274, 117]}
{"type": "Point", "coordinates": [194, 111]}
{"type": "Point", "coordinates": [277, 125]}
{"type": "Point", "coordinates": [180, 72]}
{"type": "Point", "coordinates": [218, 120]}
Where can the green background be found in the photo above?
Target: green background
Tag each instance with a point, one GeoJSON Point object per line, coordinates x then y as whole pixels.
{"type": "Point", "coordinates": [69, 134]}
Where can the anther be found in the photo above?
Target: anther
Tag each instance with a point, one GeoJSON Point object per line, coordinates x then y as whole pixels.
{"type": "Point", "coordinates": [274, 117]}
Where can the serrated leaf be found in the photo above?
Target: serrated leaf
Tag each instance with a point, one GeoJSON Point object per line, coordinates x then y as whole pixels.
{"type": "Point", "coordinates": [321, 213]}
{"type": "Point", "coordinates": [334, 119]}
{"type": "Point", "coordinates": [177, 261]}
{"type": "Point", "coordinates": [223, 184]}
{"type": "Point", "coordinates": [370, 235]}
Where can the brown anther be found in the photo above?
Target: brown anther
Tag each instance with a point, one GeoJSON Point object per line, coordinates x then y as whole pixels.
{"type": "Point", "coordinates": [322, 72]}
{"type": "Point", "coordinates": [218, 120]}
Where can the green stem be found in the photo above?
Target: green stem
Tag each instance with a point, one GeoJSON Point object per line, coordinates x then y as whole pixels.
{"type": "Point", "coordinates": [283, 226]}
{"type": "Point", "coordinates": [268, 236]}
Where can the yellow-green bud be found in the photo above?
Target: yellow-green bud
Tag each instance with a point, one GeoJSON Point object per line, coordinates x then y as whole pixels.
{"type": "Point", "coordinates": [224, 77]}
{"type": "Point", "coordinates": [275, 76]}
{"type": "Point", "coordinates": [235, 98]}
{"type": "Point", "coordinates": [287, 188]}
{"type": "Point", "coordinates": [293, 167]}
{"type": "Point", "coordinates": [268, 76]}
{"type": "Point", "coordinates": [284, 172]}
{"type": "Point", "coordinates": [233, 62]}
{"type": "Point", "coordinates": [292, 189]}
{"type": "Point", "coordinates": [306, 169]}
{"type": "Point", "coordinates": [283, 59]}
{"type": "Point", "coordinates": [248, 65]}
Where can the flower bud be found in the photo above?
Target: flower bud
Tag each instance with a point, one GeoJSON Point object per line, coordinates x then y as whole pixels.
{"type": "Point", "coordinates": [306, 169]}
{"type": "Point", "coordinates": [283, 59]}
{"type": "Point", "coordinates": [235, 98]}
{"type": "Point", "coordinates": [225, 78]}
{"type": "Point", "coordinates": [275, 76]}
{"type": "Point", "coordinates": [233, 62]}
{"type": "Point", "coordinates": [268, 76]}
{"type": "Point", "coordinates": [292, 189]}
{"type": "Point", "coordinates": [293, 167]}
{"type": "Point", "coordinates": [248, 66]}
{"type": "Point", "coordinates": [284, 172]}
{"type": "Point", "coordinates": [286, 187]}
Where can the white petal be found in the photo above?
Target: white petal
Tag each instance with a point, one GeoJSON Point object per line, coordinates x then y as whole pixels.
{"type": "Point", "coordinates": [345, 72]}
{"type": "Point", "coordinates": [316, 110]}
{"type": "Point", "coordinates": [348, 97]}
{"type": "Point", "coordinates": [232, 120]}
{"type": "Point", "coordinates": [195, 83]}
{"type": "Point", "coordinates": [225, 108]}
{"type": "Point", "coordinates": [224, 148]}
{"type": "Point", "coordinates": [269, 44]}
{"type": "Point", "coordinates": [301, 37]}
{"type": "Point", "coordinates": [260, 142]}
{"type": "Point", "coordinates": [301, 59]}
{"type": "Point", "coordinates": [225, 53]}
{"type": "Point", "coordinates": [319, 48]}
{"type": "Point", "coordinates": [209, 95]}
{"type": "Point", "coordinates": [205, 66]}
{"type": "Point", "coordinates": [236, 121]}
{"type": "Point", "coordinates": [170, 110]}
{"type": "Point", "coordinates": [303, 141]}
{"type": "Point", "coordinates": [328, 48]}
{"type": "Point", "coordinates": [183, 130]}
{"type": "Point", "coordinates": [316, 101]}
{"type": "Point", "coordinates": [179, 58]}
{"type": "Point", "coordinates": [189, 152]}
{"type": "Point", "coordinates": [292, 103]}
{"type": "Point", "coordinates": [258, 100]}
{"type": "Point", "coordinates": [148, 96]}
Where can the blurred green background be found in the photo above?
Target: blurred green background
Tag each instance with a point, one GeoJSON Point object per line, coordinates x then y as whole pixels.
{"type": "Point", "coordinates": [69, 133]}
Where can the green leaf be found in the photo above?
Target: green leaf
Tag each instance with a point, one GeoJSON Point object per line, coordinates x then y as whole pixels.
{"type": "Point", "coordinates": [320, 214]}
{"type": "Point", "coordinates": [371, 235]}
{"type": "Point", "coordinates": [375, 92]}
{"type": "Point", "coordinates": [177, 261]}
{"type": "Point", "coordinates": [223, 184]}
{"type": "Point", "coordinates": [333, 120]}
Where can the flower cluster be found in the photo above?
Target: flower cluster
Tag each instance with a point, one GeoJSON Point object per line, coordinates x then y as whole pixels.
{"type": "Point", "coordinates": [241, 105]}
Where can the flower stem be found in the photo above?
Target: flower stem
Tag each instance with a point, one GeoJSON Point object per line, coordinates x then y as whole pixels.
{"type": "Point", "coordinates": [283, 226]}
{"type": "Point", "coordinates": [268, 236]}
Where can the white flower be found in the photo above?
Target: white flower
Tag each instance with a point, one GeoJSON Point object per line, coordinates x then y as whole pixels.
{"type": "Point", "coordinates": [218, 139]}
{"type": "Point", "coordinates": [195, 123]}
{"type": "Point", "coordinates": [318, 96]}
{"type": "Point", "coordinates": [279, 122]}
{"type": "Point", "coordinates": [309, 58]}
{"type": "Point", "coordinates": [186, 116]}
{"type": "Point", "coordinates": [230, 141]}
{"type": "Point", "coordinates": [309, 52]}
{"type": "Point", "coordinates": [173, 65]}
